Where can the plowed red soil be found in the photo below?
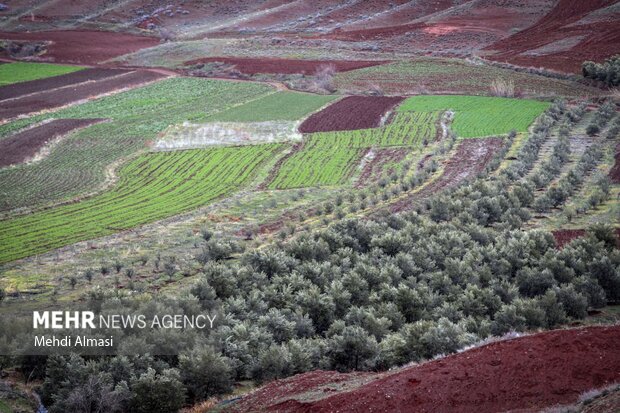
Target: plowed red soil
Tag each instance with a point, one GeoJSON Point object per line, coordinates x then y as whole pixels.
{"type": "Point", "coordinates": [601, 39]}
{"type": "Point", "coordinates": [350, 113]}
{"type": "Point", "coordinates": [40, 85]}
{"type": "Point", "coordinates": [614, 174]}
{"type": "Point", "coordinates": [86, 47]}
{"type": "Point", "coordinates": [251, 66]}
{"type": "Point", "coordinates": [564, 236]}
{"type": "Point", "coordinates": [526, 374]}
{"type": "Point", "coordinates": [471, 157]}
{"type": "Point", "coordinates": [61, 97]}
{"type": "Point", "coordinates": [24, 145]}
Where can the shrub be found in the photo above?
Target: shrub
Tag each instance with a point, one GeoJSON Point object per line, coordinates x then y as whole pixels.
{"type": "Point", "coordinates": [157, 393]}
{"type": "Point", "coordinates": [608, 72]}
{"type": "Point", "coordinates": [353, 349]}
{"type": "Point", "coordinates": [205, 373]}
{"type": "Point", "coordinates": [593, 129]}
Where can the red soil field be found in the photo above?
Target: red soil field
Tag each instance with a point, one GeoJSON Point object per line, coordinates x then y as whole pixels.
{"type": "Point", "coordinates": [350, 113]}
{"type": "Point", "coordinates": [24, 145]}
{"type": "Point", "coordinates": [251, 66]}
{"type": "Point", "coordinates": [85, 47]}
{"type": "Point", "coordinates": [600, 39]}
{"type": "Point", "coordinates": [471, 157]}
{"type": "Point", "coordinates": [528, 373]}
{"type": "Point", "coordinates": [61, 97]}
{"type": "Point", "coordinates": [564, 236]}
{"type": "Point", "coordinates": [39, 85]}
{"type": "Point", "coordinates": [614, 174]}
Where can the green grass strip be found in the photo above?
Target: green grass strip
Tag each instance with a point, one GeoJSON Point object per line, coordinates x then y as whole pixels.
{"type": "Point", "coordinates": [24, 71]}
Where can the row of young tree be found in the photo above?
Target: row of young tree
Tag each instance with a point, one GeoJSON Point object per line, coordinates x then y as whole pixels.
{"type": "Point", "coordinates": [602, 116]}
{"type": "Point", "coordinates": [361, 294]}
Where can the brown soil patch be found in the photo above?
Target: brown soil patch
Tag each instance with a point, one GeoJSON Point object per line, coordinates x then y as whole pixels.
{"type": "Point", "coordinates": [39, 85]}
{"type": "Point", "coordinates": [57, 98]}
{"type": "Point", "coordinates": [251, 66]}
{"type": "Point", "coordinates": [470, 159]}
{"type": "Point", "coordinates": [84, 47]}
{"type": "Point", "coordinates": [373, 170]}
{"type": "Point", "coordinates": [614, 173]}
{"type": "Point", "coordinates": [600, 39]}
{"type": "Point", "coordinates": [24, 145]}
{"type": "Point", "coordinates": [350, 113]}
{"type": "Point", "coordinates": [526, 374]}
{"type": "Point", "coordinates": [564, 236]}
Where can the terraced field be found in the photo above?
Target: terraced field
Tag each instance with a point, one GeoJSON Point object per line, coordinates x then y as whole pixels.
{"type": "Point", "coordinates": [277, 106]}
{"type": "Point", "coordinates": [330, 158]}
{"type": "Point", "coordinates": [23, 71]}
{"type": "Point", "coordinates": [78, 163]}
{"type": "Point", "coordinates": [151, 187]}
{"type": "Point", "coordinates": [477, 116]}
{"type": "Point", "coordinates": [439, 75]}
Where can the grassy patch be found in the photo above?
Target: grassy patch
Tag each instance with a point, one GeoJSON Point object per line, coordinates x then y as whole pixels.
{"type": "Point", "coordinates": [23, 71]}
{"type": "Point", "coordinates": [277, 106]}
{"type": "Point", "coordinates": [151, 187]}
{"type": "Point", "coordinates": [480, 116]}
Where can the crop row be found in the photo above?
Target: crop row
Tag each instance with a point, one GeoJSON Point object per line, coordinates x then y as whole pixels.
{"type": "Point", "coordinates": [151, 187]}
{"type": "Point", "coordinates": [477, 116]}
{"type": "Point", "coordinates": [77, 164]}
{"type": "Point", "coordinates": [329, 158]}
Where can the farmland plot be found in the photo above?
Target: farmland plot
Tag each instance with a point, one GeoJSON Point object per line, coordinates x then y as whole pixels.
{"type": "Point", "coordinates": [350, 113]}
{"type": "Point", "coordinates": [252, 66]}
{"type": "Point", "coordinates": [28, 143]}
{"type": "Point", "coordinates": [41, 85]}
{"type": "Point", "coordinates": [55, 98]}
{"type": "Point", "coordinates": [277, 106]}
{"type": "Point", "coordinates": [440, 75]}
{"type": "Point", "coordinates": [23, 71]}
{"type": "Point", "coordinates": [151, 187]}
{"type": "Point", "coordinates": [478, 116]}
{"type": "Point", "coordinates": [78, 163]}
{"type": "Point", "coordinates": [330, 158]}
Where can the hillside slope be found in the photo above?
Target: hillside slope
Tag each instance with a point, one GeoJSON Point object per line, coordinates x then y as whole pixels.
{"type": "Point", "coordinates": [529, 373]}
{"type": "Point", "coordinates": [557, 34]}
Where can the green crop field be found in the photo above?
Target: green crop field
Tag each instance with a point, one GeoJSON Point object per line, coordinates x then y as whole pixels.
{"type": "Point", "coordinates": [441, 75]}
{"type": "Point", "coordinates": [23, 71]}
{"type": "Point", "coordinates": [137, 116]}
{"type": "Point", "coordinates": [151, 187]}
{"type": "Point", "coordinates": [477, 116]}
{"type": "Point", "coordinates": [277, 106]}
{"type": "Point", "coordinates": [330, 158]}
